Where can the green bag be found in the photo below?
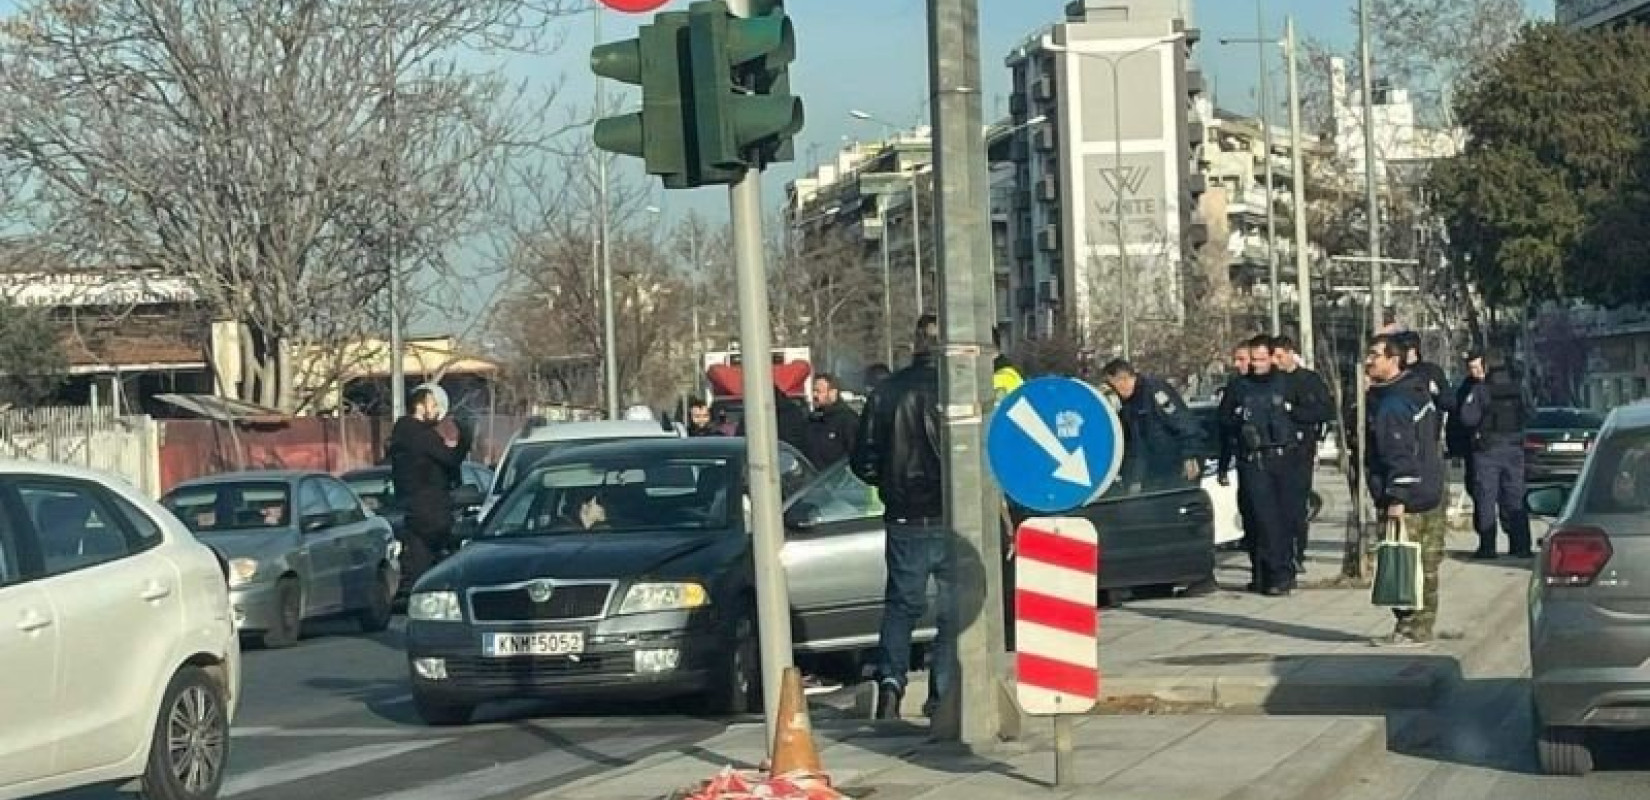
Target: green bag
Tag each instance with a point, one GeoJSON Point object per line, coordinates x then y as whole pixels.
{"type": "Point", "coordinates": [1398, 575]}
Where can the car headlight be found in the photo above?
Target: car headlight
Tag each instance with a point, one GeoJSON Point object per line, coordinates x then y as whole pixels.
{"type": "Point", "coordinates": [648, 597]}
{"type": "Point", "coordinates": [242, 571]}
{"type": "Point", "coordinates": [433, 607]}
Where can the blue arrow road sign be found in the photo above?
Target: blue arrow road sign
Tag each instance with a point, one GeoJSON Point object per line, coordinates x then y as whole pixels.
{"type": "Point", "coordinates": [1055, 444]}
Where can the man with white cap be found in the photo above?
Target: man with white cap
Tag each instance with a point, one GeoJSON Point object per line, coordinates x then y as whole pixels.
{"type": "Point", "coordinates": [425, 470]}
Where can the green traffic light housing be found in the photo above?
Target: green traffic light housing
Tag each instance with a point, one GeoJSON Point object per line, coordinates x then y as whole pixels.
{"type": "Point", "coordinates": [654, 62]}
{"type": "Point", "coordinates": [738, 120]}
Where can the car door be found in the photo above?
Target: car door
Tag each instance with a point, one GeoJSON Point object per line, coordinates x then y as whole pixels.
{"type": "Point", "coordinates": [1153, 537]}
{"type": "Point", "coordinates": [325, 549]}
{"type": "Point", "coordinates": [29, 648]}
{"type": "Point", "coordinates": [118, 600]}
{"type": "Point", "coordinates": [834, 563]}
{"type": "Point", "coordinates": [362, 544]}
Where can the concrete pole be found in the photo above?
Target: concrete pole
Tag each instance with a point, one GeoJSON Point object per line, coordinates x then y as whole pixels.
{"type": "Point", "coordinates": [1303, 261]}
{"type": "Point", "coordinates": [773, 606]}
{"type": "Point", "coordinates": [398, 373]}
{"type": "Point", "coordinates": [610, 335]}
{"type": "Point", "coordinates": [1127, 293]}
{"type": "Point", "coordinates": [966, 286]}
{"type": "Point", "coordinates": [1271, 191]}
{"type": "Point", "coordinates": [916, 239]}
{"type": "Point", "coordinates": [887, 290]}
{"type": "Point", "coordinates": [1376, 305]}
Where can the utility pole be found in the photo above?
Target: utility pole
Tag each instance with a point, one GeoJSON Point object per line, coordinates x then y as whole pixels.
{"type": "Point", "coordinates": [1377, 307]}
{"type": "Point", "coordinates": [970, 711]}
{"type": "Point", "coordinates": [1266, 137]}
{"type": "Point", "coordinates": [916, 239]}
{"type": "Point", "coordinates": [610, 335]}
{"type": "Point", "coordinates": [887, 292]}
{"type": "Point", "coordinates": [392, 249]}
{"type": "Point", "coordinates": [1303, 261]}
{"type": "Point", "coordinates": [773, 605]}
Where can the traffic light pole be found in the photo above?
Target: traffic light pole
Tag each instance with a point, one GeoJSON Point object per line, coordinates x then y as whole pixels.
{"type": "Point", "coordinates": [969, 712]}
{"type": "Point", "coordinates": [773, 605]}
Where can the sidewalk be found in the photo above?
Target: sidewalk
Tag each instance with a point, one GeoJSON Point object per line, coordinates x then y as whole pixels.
{"type": "Point", "coordinates": [1308, 653]}
{"type": "Point", "coordinates": [1118, 758]}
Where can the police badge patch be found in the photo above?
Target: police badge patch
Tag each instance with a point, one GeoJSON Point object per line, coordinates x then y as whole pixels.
{"type": "Point", "coordinates": [1162, 399]}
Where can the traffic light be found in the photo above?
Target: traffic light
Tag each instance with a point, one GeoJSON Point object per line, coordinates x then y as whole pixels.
{"type": "Point", "coordinates": [741, 110]}
{"type": "Point", "coordinates": [654, 61]}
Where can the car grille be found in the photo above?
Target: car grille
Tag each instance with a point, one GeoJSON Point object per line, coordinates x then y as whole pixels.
{"type": "Point", "coordinates": [506, 673]}
{"type": "Point", "coordinates": [516, 604]}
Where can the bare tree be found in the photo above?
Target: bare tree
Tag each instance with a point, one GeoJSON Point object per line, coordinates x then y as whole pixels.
{"type": "Point", "coordinates": [285, 156]}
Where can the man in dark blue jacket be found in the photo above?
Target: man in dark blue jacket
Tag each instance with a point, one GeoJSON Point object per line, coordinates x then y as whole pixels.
{"type": "Point", "coordinates": [1160, 437]}
{"type": "Point", "coordinates": [1404, 468]}
{"type": "Point", "coordinates": [1492, 415]}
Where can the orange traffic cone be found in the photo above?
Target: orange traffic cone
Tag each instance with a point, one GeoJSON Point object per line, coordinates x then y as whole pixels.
{"type": "Point", "coordinates": [793, 738]}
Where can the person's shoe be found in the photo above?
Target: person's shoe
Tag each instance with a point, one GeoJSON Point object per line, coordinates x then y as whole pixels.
{"type": "Point", "coordinates": [1278, 591]}
{"type": "Point", "coordinates": [1522, 554]}
{"type": "Point", "coordinates": [1485, 555]}
{"type": "Point", "coordinates": [888, 699]}
{"type": "Point", "coordinates": [1399, 639]}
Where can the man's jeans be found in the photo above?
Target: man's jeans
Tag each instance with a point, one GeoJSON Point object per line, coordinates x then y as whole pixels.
{"type": "Point", "coordinates": [914, 554]}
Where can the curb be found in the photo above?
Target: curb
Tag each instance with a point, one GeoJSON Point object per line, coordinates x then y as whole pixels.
{"type": "Point", "coordinates": [1295, 781]}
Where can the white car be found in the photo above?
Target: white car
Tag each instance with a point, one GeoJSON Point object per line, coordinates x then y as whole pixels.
{"type": "Point", "coordinates": [539, 442]}
{"type": "Point", "coordinates": [121, 658]}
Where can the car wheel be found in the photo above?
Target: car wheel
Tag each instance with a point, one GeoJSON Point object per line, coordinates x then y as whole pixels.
{"type": "Point", "coordinates": [191, 740]}
{"type": "Point", "coordinates": [376, 616]}
{"type": "Point", "coordinates": [441, 712]}
{"type": "Point", "coordinates": [1563, 751]}
{"type": "Point", "coordinates": [289, 616]}
{"type": "Point", "coordinates": [738, 687]}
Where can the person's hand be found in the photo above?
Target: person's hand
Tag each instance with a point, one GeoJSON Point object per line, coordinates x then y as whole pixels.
{"type": "Point", "coordinates": [1223, 479]}
{"type": "Point", "coordinates": [1395, 511]}
{"type": "Point", "coordinates": [1193, 469]}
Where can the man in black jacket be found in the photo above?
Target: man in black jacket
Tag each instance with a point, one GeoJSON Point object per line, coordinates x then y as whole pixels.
{"type": "Point", "coordinates": [1492, 415]}
{"type": "Point", "coordinates": [425, 470]}
{"type": "Point", "coordinates": [833, 425]}
{"type": "Point", "coordinates": [1160, 437]}
{"type": "Point", "coordinates": [898, 452]}
{"type": "Point", "coordinates": [1405, 472]}
{"type": "Point", "coordinates": [791, 418]}
{"type": "Point", "coordinates": [1312, 408]}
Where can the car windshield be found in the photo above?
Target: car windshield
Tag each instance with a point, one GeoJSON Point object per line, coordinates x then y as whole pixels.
{"type": "Point", "coordinates": [1566, 419]}
{"type": "Point", "coordinates": [231, 506]}
{"type": "Point", "coordinates": [524, 458]}
{"type": "Point", "coordinates": [374, 488]}
{"type": "Point", "coordinates": [617, 495]}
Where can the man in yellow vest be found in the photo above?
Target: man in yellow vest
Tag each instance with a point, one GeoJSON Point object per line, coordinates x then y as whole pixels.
{"type": "Point", "coordinates": [1004, 377]}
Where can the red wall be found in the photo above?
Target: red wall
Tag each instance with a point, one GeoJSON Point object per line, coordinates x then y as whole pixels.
{"type": "Point", "coordinates": [191, 448]}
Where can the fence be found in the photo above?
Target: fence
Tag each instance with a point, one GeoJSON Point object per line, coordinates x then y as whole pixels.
{"type": "Point", "coordinates": [94, 438]}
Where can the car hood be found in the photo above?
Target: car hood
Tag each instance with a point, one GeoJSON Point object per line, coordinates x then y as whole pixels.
{"type": "Point", "coordinates": [620, 556]}
{"type": "Point", "coordinates": [261, 545]}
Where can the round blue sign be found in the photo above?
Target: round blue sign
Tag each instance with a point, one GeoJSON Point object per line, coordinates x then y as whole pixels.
{"type": "Point", "coordinates": [1055, 444]}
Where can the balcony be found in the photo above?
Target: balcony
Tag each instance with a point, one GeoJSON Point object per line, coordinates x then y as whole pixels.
{"type": "Point", "coordinates": [1043, 88]}
{"type": "Point", "coordinates": [1045, 138]}
{"type": "Point", "coordinates": [1048, 291]}
{"type": "Point", "coordinates": [1048, 189]}
{"type": "Point", "coordinates": [1196, 84]}
{"type": "Point", "coordinates": [1048, 239]}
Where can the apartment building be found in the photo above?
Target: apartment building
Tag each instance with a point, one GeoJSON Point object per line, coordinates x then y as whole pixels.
{"type": "Point", "coordinates": [1104, 222]}
{"type": "Point", "coordinates": [1595, 13]}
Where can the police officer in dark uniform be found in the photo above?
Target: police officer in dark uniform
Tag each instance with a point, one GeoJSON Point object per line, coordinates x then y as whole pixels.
{"type": "Point", "coordinates": [1227, 423]}
{"type": "Point", "coordinates": [1269, 472]}
{"type": "Point", "coordinates": [1313, 408]}
{"type": "Point", "coordinates": [1159, 434]}
{"type": "Point", "coordinates": [1492, 414]}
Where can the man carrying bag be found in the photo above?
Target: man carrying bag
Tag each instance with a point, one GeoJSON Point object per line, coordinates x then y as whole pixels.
{"type": "Point", "coordinates": [1405, 473]}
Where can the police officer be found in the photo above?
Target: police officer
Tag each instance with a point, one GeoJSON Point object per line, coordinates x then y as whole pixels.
{"type": "Point", "coordinates": [1227, 422]}
{"type": "Point", "coordinates": [1405, 472]}
{"type": "Point", "coordinates": [1269, 468]}
{"type": "Point", "coordinates": [1160, 436]}
{"type": "Point", "coordinates": [1492, 413]}
{"type": "Point", "coordinates": [1313, 408]}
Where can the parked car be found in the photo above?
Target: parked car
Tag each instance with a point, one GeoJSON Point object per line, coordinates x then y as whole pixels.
{"type": "Point", "coordinates": [1228, 523]}
{"type": "Point", "coordinates": [122, 662]}
{"type": "Point", "coordinates": [300, 545]}
{"type": "Point", "coordinates": [538, 442]}
{"type": "Point", "coordinates": [1590, 597]}
{"type": "Point", "coordinates": [1556, 441]}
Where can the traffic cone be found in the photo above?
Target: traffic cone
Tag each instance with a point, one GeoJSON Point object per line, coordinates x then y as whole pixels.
{"type": "Point", "coordinates": [793, 738]}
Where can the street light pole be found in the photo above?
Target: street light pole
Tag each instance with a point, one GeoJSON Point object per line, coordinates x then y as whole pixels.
{"type": "Point", "coordinates": [1271, 191]}
{"type": "Point", "coordinates": [1303, 261]}
{"type": "Point", "coordinates": [887, 292]}
{"type": "Point", "coordinates": [398, 368]}
{"type": "Point", "coordinates": [1371, 193]}
{"type": "Point", "coordinates": [610, 335]}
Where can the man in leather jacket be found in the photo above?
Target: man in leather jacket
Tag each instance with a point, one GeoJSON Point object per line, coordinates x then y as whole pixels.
{"type": "Point", "coordinates": [898, 452]}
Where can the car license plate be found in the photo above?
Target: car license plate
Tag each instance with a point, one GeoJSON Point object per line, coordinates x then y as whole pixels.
{"type": "Point", "coordinates": [507, 645]}
{"type": "Point", "coordinates": [1568, 447]}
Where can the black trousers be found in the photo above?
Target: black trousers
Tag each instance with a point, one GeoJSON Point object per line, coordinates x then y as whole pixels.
{"type": "Point", "coordinates": [1308, 466]}
{"type": "Point", "coordinates": [1271, 482]}
{"type": "Point", "coordinates": [423, 541]}
{"type": "Point", "coordinates": [1495, 477]}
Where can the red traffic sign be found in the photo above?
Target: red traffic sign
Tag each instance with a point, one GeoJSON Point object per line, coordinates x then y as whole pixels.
{"type": "Point", "coordinates": [1056, 628]}
{"type": "Point", "coordinates": [635, 6]}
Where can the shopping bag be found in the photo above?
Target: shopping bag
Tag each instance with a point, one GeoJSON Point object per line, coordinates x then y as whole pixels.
{"type": "Point", "coordinates": [1398, 575]}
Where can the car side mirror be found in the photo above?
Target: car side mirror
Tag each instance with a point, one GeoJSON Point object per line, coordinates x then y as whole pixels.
{"type": "Point", "coordinates": [1546, 501]}
{"type": "Point", "coordinates": [315, 522]}
{"type": "Point", "coordinates": [467, 497]}
{"type": "Point", "coordinates": [803, 516]}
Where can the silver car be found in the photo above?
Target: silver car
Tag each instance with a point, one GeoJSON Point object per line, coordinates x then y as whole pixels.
{"type": "Point", "coordinates": [1590, 598]}
{"type": "Point", "coordinates": [300, 545]}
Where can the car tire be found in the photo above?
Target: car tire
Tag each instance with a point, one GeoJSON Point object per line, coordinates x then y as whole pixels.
{"type": "Point", "coordinates": [375, 618]}
{"type": "Point", "coordinates": [190, 745]}
{"type": "Point", "coordinates": [289, 616]}
{"type": "Point", "coordinates": [441, 712]}
{"type": "Point", "coordinates": [737, 683]}
{"type": "Point", "coordinates": [1563, 751]}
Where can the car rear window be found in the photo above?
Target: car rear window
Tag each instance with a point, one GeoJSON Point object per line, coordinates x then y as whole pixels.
{"type": "Point", "coordinates": [374, 488]}
{"type": "Point", "coordinates": [1566, 419]}
{"type": "Point", "coordinates": [1618, 479]}
{"type": "Point", "coordinates": [231, 506]}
